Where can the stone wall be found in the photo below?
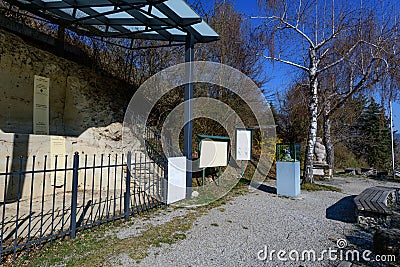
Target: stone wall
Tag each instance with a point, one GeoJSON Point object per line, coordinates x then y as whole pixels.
{"type": "Point", "coordinates": [86, 108]}
{"type": "Point", "coordinates": [80, 98]}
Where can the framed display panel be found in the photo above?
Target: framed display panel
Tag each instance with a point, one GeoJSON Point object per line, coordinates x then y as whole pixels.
{"type": "Point", "coordinates": [214, 151]}
{"type": "Point", "coordinates": [244, 143]}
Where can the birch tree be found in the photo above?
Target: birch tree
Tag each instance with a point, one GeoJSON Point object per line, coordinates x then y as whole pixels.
{"type": "Point", "coordinates": [370, 67]}
{"type": "Point", "coordinates": [301, 34]}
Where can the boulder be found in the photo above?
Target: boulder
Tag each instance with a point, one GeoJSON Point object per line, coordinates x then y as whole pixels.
{"type": "Point", "coordinates": [195, 194]}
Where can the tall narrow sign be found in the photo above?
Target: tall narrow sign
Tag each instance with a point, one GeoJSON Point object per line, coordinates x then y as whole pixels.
{"type": "Point", "coordinates": [243, 143]}
{"type": "Point", "coordinates": [41, 105]}
{"type": "Point", "coordinates": [57, 148]}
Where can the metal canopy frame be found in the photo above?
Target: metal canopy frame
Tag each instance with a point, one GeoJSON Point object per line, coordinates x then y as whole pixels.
{"type": "Point", "coordinates": [164, 20]}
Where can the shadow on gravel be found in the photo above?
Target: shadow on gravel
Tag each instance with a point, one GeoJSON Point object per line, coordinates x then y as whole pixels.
{"type": "Point", "coordinates": [267, 189]}
{"type": "Point", "coordinates": [361, 241]}
{"type": "Point", "coordinates": [343, 210]}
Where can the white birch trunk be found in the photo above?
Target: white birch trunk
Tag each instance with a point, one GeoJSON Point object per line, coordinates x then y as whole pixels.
{"type": "Point", "coordinates": [313, 116]}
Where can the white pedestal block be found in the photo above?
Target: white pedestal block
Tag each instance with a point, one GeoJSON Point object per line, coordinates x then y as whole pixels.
{"type": "Point", "coordinates": [288, 178]}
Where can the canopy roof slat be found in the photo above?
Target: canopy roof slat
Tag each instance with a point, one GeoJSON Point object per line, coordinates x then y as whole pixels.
{"type": "Point", "coordinates": [165, 20]}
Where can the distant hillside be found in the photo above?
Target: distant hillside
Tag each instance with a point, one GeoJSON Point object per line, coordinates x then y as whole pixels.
{"type": "Point", "coordinates": [397, 137]}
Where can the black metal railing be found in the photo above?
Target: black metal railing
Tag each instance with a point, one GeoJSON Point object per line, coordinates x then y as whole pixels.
{"type": "Point", "coordinates": [156, 146]}
{"type": "Point", "coordinates": [51, 197]}
{"type": "Point", "coordinates": [153, 145]}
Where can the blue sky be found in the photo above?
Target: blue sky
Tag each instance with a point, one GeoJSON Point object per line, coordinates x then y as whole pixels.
{"type": "Point", "coordinates": [281, 75]}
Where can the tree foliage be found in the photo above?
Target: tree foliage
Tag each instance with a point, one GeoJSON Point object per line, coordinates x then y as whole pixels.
{"type": "Point", "coordinates": [373, 137]}
{"type": "Point", "coordinates": [292, 119]}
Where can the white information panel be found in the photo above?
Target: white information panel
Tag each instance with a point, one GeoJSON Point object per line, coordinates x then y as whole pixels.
{"type": "Point", "coordinates": [57, 148]}
{"type": "Point", "coordinates": [41, 105]}
{"type": "Point", "coordinates": [176, 179]}
{"type": "Point", "coordinates": [243, 144]}
{"type": "Point", "coordinates": [213, 154]}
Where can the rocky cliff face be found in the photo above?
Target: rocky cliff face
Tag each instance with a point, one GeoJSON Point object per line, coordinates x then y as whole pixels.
{"type": "Point", "coordinates": [86, 107]}
{"type": "Point", "coordinates": [80, 98]}
{"type": "Point", "coordinates": [95, 140]}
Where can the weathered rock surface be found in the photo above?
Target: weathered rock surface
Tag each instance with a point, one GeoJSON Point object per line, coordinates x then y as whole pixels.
{"type": "Point", "coordinates": [101, 140]}
{"type": "Point", "coordinates": [80, 97]}
{"type": "Point", "coordinates": [94, 141]}
{"type": "Point", "coordinates": [86, 107]}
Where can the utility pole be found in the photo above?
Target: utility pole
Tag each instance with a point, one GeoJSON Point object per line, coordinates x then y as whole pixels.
{"type": "Point", "coordinates": [391, 105]}
{"type": "Point", "coordinates": [392, 136]}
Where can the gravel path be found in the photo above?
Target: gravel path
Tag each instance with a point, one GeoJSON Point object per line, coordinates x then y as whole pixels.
{"type": "Point", "coordinates": [234, 234]}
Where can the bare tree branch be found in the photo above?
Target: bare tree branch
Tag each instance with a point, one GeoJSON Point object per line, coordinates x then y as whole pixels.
{"type": "Point", "coordinates": [357, 87]}
{"type": "Point", "coordinates": [288, 25]}
{"type": "Point", "coordinates": [285, 61]}
{"type": "Point", "coordinates": [340, 59]}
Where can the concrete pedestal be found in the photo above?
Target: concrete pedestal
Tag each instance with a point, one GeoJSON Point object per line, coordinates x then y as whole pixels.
{"type": "Point", "coordinates": [322, 170]}
{"type": "Point", "coordinates": [288, 178]}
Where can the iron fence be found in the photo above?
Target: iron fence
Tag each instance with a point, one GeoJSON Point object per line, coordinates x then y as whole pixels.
{"type": "Point", "coordinates": [51, 197]}
{"type": "Point", "coordinates": [157, 147]}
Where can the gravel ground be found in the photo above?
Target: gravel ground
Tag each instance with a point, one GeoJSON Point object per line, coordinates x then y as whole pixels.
{"type": "Point", "coordinates": [235, 233]}
{"type": "Point", "coordinates": [140, 224]}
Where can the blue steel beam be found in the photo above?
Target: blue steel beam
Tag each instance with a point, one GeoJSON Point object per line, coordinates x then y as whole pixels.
{"type": "Point", "coordinates": [188, 111]}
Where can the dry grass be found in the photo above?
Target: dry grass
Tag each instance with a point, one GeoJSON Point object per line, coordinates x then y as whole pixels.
{"type": "Point", "coordinates": [94, 248]}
